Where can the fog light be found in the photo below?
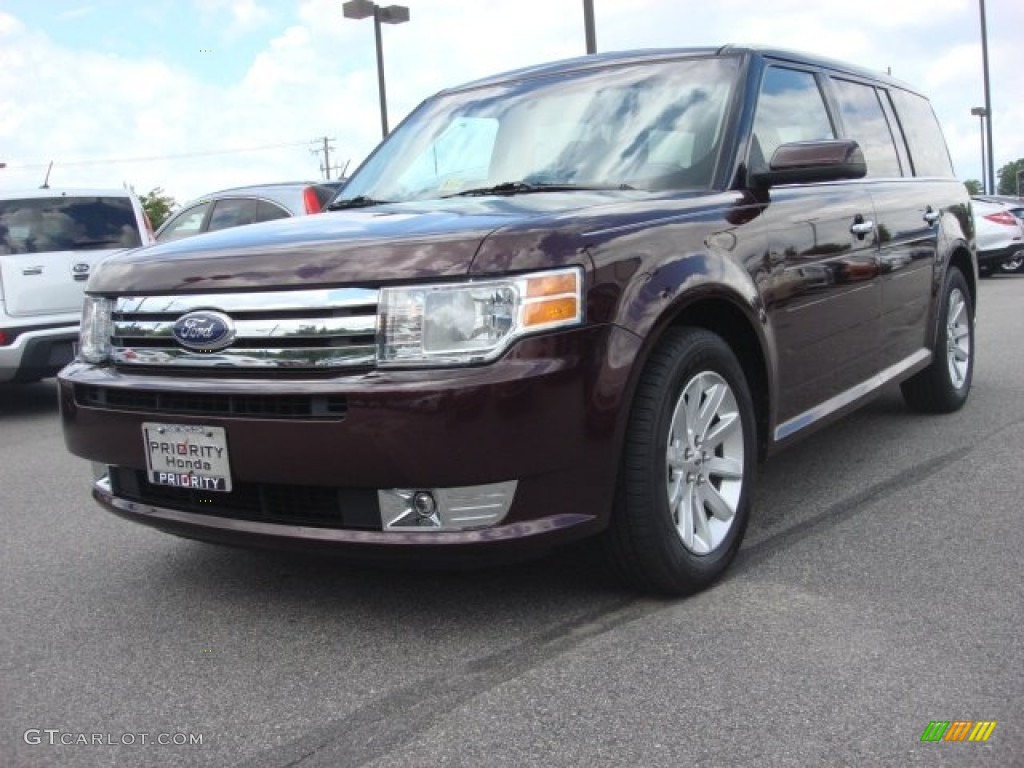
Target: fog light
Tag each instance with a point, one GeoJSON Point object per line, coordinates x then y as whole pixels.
{"type": "Point", "coordinates": [424, 504]}
{"type": "Point", "coordinates": [445, 509]}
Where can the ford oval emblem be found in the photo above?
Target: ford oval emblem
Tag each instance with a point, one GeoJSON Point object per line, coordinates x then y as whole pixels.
{"type": "Point", "coordinates": [204, 331]}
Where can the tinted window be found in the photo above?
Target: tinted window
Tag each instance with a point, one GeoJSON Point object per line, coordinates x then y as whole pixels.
{"type": "Point", "coordinates": [790, 107]}
{"type": "Point", "coordinates": [928, 152]}
{"type": "Point", "coordinates": [268, 211]}
{"type": "Point", "coordinates": [865, 123]}
{"type": "Point", "coordinates": [41, 224]}
{"type": "Point", "coordinates": [185, 224]}
{"type": "Point", "coordinates": [233, 212]}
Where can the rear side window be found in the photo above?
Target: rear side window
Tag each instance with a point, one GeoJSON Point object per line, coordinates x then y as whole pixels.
{"type": "Point", "coordinates": [865, 122]}
{"type": "Point", "coordinates": [269, 211]}
{"type": "Point", "coordinates": [41, 224]}
{"type": "Point", "coordinates": [233, 212]}
{"type": "Point", "coordinates": [790, 107]}
{"type": "Point", "coordinates": [928, 152]}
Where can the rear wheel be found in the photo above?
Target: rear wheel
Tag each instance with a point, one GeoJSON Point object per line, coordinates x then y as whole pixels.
{"type": "Point", "coordinates": [943, 386]}
{"type": "Point", "coordinates": [1014, 264]}
{"type": "Point", "coordinates": [682, 503]}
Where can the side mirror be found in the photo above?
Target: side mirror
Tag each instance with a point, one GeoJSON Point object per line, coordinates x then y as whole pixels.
{"type": "Point", "coordinates": [807, 162]}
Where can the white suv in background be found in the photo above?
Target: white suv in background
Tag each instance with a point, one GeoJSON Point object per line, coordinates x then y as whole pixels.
{"type": "Point", "coordinates": [50, 239]}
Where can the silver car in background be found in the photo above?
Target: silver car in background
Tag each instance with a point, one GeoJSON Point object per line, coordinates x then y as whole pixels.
{"type": "Point", "coordinates": [247, 205]}
{"type": "Point", "coordinates": [999, 223]}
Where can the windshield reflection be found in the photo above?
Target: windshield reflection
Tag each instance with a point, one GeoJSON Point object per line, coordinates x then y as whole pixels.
{"type": "Point", "coordinates": [646, 127]}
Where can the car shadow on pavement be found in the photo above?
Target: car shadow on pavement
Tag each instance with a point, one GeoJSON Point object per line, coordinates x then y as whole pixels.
{"type": "Point", "coordinates": [28, 399]}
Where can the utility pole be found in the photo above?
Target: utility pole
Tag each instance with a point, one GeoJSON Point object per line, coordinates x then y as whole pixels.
{"type": "Point", "coordinates": [326, 167]}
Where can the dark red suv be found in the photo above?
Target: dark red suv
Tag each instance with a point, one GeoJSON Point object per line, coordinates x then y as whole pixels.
{"type": "Point", "coordinates": [581, 299]}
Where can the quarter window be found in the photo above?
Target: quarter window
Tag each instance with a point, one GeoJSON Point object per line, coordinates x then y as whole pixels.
{"type": "Point", "coordinates": [865, 123]}
{"type": "Point", "coordinates": [790, 107]}
{"type": "Point", "coordinates": [928, 152]}
{"type": "Point", "coordinates": [233, 212]}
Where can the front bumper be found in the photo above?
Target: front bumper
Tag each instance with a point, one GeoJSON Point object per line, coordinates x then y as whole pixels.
{"type": "Point", "coordinates": [547, 417]}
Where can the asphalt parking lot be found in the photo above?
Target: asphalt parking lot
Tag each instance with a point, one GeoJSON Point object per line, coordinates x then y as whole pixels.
{"type": "Point", "coordinates": [879, 589]}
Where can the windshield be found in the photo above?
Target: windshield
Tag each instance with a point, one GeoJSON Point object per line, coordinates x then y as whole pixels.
{"type": "Point", "coordinates": [650, 126]}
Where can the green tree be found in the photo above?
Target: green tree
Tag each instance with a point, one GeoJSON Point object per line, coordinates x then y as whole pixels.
{"type": "Point", "coordinates": [973, 186]}
{"type": "Point", "coordinates": [158, 205]}
{"type": "Point", "coordinates": [1008, 178]}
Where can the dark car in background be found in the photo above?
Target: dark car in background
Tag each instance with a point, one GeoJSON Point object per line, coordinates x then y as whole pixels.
{"type": "Point", "coordinates": [247, 205]}
{"type": "Point", "coordinates": [582, 299]}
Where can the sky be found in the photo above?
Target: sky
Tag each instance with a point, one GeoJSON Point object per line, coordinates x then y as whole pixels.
{"type": "Point", "coordinates": [198, 95]}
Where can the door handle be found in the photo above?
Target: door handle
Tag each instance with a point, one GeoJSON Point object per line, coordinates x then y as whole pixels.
{"type": "Point", "coordinates": [862, 227]}
{"type": "Point", "coordinates": [931, 215]}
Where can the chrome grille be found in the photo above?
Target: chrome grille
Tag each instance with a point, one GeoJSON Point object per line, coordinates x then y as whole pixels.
{"type": "Point", "coordinates": [309, 329]}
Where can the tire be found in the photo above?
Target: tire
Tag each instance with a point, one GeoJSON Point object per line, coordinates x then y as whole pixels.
{"type": "Point", "coordinates": [1014, 264]}
{"type": "Point", "coordinates": [943, 386]}
{"type": "Point", "coordinates": [685, 480]}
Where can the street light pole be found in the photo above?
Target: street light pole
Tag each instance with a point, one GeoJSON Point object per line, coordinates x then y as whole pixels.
{"type": "Point", "coordinates": [381, 88]}
{"type": "Point", "coordinates": [988, 99]}
{"type": "Point", "coordinates": [588, 26]}
{"type": "Point", "coordinates": [392, 14]}
{"type": "Point", "coordinates": [980, 113]}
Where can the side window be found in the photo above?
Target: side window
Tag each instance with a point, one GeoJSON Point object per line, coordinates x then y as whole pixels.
{"type": "Point", "coordinates": [233, 212]}
{"type": "Point", "coordinates": [185, 224]}
{"type": "Point", "coordinates": [269, 211]}
{"type": "Point", "coordinates": [790, 107]}
{"type": "Point", "coordinates": [865, 123]}
{"type": "Point", "coordinates": [928, 153]}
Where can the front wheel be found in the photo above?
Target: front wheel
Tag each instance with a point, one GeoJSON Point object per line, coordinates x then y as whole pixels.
{"type": "Point", "coordinates": [943, 386]}
{"type": "Point", "coordinates": [683, 496]}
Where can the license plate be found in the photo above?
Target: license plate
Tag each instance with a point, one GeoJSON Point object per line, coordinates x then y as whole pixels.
{"type": "Point", "coordinates": [187, 456]}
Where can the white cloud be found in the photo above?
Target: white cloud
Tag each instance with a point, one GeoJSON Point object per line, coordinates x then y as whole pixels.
{"type": "Point", "coordinates": [315, 75]}
{"type": "Point", "coordinates": [245, 14]}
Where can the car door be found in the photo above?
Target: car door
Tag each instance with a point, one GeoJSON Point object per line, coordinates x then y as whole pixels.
{"type": "Point", "coordinates": [907, 212]}
{"type": "Point", "coordinates": [818, 272]}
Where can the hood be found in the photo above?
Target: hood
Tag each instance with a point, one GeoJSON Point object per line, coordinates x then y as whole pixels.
{"type": "Point", "coordinates": [386, 243]}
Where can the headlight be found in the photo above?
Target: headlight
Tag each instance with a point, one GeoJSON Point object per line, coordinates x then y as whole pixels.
{"type": "Point", "coordinates": [471, 322]}
{"type": "Point", "coordinates": [94, 336]}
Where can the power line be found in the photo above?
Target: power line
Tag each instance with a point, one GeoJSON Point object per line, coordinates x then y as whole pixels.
{"type": "Point", "coordinates": [154, 158]}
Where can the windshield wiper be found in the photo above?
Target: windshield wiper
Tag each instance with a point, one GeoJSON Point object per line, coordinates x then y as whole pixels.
{"type": "Point", "coordinates": [524, 187]}
{"type": "Point", "coordinates": [360, 201]}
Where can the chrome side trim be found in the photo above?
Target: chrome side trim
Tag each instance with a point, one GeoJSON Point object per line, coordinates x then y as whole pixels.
{"type": "Point", "coordinates": [843, 399]}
